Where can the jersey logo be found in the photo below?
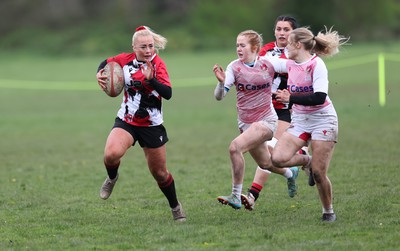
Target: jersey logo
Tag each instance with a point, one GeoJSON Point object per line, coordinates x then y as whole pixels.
{"type": "Point", "coordinates": [251, 87]}
{"type": "Point", "coordinates": [264, 67]}
{"type": "Point", "coordinates": [294, 88]}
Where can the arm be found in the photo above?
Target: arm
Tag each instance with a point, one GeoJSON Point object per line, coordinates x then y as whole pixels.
{"type": "Point", "coordinates": [101, 80]}
{"type": "Point", "coordinates": [279, 64]}
{"type": "Point", "coordinates": [317, 98]}
{"type": "Point", "coordinates": [219, 92]}
{"type": "Point", "coordinates": [164, 90]}
{"type": "Point", "coordinates": [102, 65]}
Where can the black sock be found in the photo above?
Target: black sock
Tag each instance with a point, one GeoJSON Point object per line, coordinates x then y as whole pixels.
{"type": "Point", "coordinates": [168, 188]}
{"type": "Point", "coordinates": [112, 171]}
{"type": "Point", "coordinates": [255, 190]}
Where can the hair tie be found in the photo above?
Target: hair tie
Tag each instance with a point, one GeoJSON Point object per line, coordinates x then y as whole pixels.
{"type": "Point", "coordinates": [140, 28]}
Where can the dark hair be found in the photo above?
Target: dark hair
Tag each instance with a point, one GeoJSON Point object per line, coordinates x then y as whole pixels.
{"type": "Point", "coordinates": [289, 19]}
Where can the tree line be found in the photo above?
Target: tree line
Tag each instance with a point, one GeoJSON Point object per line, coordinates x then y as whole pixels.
{"type": "Point", "coordinates": [92, 26]}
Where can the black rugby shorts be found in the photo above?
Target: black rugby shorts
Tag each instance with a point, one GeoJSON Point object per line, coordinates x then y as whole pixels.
{"type": "Point", "coordinates": [150, 137]}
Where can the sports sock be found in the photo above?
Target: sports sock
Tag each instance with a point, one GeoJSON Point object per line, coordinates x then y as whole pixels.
{"type": "Point", "coordinates": [237, 189]}
{"type": "Point", "coordinates": [328, 211]}
{"type": "Point", "coordinates": [168, 188]}
{"type": "Point", "coordinates": [112, 170]}
{"type": "Point", "coordinates": [288, 173]}
{"type": "Point", "coordinates": [255, 190]}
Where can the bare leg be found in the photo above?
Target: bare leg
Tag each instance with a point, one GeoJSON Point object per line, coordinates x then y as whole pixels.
{"type": "Point", "coordinates": [261, 176]}
{"type": "Point", "coordinates": [156, 161]}
{"type": "Point", "coordinates": [118, 142]}
{"type": "Point", "coordinates": [286, 152]}
{"type": "Point", "coordinates": [252, 138]}
{"type": "Point", "coordinates": [322, 155]}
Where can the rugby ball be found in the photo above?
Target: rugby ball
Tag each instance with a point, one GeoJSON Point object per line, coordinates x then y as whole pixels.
{"type": "Point", "coordinates": [115, 79]}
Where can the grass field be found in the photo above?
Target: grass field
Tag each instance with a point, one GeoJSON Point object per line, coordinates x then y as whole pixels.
{"type": "Point", "coordinates": [54, 121]}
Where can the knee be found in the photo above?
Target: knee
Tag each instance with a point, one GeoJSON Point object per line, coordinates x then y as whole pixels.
{"type": "Point", "coordinates": [318, 176]}
{"type": "Point", "coordinates": [160, 175]}
{"type": "Point", "coordinates": [276, 159]}
{"type": "Point", "coordinates": [112, 156]}
{"type": "Point", "coordinates": [265, 164]}
{"type": "Point", "coordinates": [234, 148]}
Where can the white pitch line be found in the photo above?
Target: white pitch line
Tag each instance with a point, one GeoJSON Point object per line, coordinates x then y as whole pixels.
{"type": "Point", "coordinates": [90, 85]}
{"type": "Point", "coordinates": [177, 82]}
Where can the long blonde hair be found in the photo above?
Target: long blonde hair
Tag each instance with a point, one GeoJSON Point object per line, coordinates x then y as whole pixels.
{"type": "Point", "coordinates": [159, 41]}
{"type": "Point", "coordinates": [323, 44]}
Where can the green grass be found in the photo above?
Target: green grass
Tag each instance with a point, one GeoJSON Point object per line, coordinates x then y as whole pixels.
{"type": "Point", "coordinates": [52, 141]}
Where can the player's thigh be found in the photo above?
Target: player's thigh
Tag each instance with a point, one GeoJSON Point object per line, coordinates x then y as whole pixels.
{"type": "Point", "coordinates": [282, 126]}
{"type": "Point", "coordinates": [322, 154]}
{"type": "Point", "coordinates": [118, 142]}
{"type": "Point", "coordinates": [286, 147]}
{"type": "Point", "coordinates": [261, 155]}
{"type": "Point", "coordinates": [254, 136]}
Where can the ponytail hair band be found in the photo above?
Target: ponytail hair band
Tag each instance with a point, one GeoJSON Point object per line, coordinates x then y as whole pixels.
{"type": "Point", "coordinates": [140, 28]}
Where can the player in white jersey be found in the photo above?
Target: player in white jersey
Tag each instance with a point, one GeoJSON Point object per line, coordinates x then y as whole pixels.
{"type": "Point", "coordinates": [252, 76]}
{"type": "Point", "coordinates": [313, 115]}
{"type": "Point", "coordinates": [283, 26]}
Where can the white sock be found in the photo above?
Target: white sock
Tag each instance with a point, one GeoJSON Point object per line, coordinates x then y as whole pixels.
{"type": "Point", "coordinates": [288, 173]}
{"type": "Point", "coordinates": [328, 211]}
{"type": "Point", "coordinates": [264, 170]}
{"type": "Point", "coordinates": [237, 189]}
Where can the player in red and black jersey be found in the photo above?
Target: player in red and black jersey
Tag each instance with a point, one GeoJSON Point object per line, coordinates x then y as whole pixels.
{"type": "Point", "coordinates": [140, 116]}
{"type": "Point", "coordinates": [283, 26]}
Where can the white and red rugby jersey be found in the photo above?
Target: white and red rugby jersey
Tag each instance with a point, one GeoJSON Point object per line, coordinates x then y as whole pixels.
{"type": "Point", "coordinates": [141, 104]}
{"type": "Point", "coordinates": [307, 78]}
{"type": "Point", "coordinates": [253, 87]}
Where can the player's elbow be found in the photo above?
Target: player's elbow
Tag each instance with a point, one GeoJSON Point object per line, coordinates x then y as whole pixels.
{"type": "Point", "coordinates": [168, 96]}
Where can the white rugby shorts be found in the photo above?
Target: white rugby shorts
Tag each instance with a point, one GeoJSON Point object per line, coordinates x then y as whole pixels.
{"type": "Point", "coordinates": [319, 125]}
{"type": "Point", "coordinates": [270, 122]}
